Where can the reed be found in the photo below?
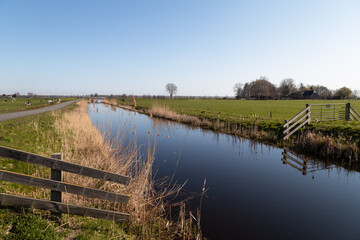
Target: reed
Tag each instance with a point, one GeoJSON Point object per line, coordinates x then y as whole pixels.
{"type": "Point", "coordinates": [165, 112]}
{"type": "Point", "coordinates": [83, 144]}
{"type": "Point", "coordinates": [326, 147]}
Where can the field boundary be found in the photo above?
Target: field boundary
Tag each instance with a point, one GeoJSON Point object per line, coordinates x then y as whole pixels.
{"type": "Point", "coordinates": [320, 113]}
{"type": "Point", "coordinates": [57, 186]}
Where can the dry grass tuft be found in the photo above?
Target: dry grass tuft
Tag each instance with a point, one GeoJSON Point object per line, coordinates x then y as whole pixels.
{"type": "Point", "coordinates": [165, 112]}
{"type": "Point", "coordinates": [325, 146]}
{"type": "Point", "coordinates": [110, 101]}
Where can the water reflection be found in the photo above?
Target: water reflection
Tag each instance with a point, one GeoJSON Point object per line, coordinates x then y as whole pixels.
{"type": "Point", "coordinates": [248, 185]}
{"type": "Point", "coordinates": [294, 161]}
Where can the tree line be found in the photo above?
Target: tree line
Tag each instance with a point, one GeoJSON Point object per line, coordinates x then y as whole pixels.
{"type": "Point", "coordinates": [262, 88]}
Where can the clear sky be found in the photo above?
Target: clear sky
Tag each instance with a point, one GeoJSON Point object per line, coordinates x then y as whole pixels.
{"type": "Point", "coordinates": [204, 47]}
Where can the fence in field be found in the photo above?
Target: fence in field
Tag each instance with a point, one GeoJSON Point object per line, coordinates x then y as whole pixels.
{"type": "Point", "coordinates": [57, 186]}
{"type": "Point", "coordinates": [319, 113]}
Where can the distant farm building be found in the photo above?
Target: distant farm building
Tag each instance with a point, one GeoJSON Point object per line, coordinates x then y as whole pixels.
{"type": "Point", "coordinates": [310, 95]}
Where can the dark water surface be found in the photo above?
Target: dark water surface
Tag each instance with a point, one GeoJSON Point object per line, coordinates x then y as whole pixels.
{"type": "Point", "coordinates": [252, 194]}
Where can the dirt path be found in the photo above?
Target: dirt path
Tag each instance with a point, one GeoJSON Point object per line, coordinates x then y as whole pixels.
{"type": "Point", "coordinates": [9, 116]}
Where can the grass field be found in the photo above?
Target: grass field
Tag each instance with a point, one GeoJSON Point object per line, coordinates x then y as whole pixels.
{"type": "Point", "coordinates": [269, 114]}
{"type": "Point", "coordinates": [71, 132]}
{"type": "Point", "coordinates": [280, 109]}
{"type": "Point", "coordinates": [7, 106]}
{"type": "Point", "coordinates": [37, 134]}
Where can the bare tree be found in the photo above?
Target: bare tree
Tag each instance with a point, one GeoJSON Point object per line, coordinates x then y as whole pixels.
{"type": "Point", "coordinates": [171, 89]}
{"type": "Point", "coordinates": [287, 87]}
{"type": "Point", "coordinates": [323, 91]}
{"type": "Point", "coordinates": [356, 94]}
{"type": "Point", "coordinates": [238, 90]}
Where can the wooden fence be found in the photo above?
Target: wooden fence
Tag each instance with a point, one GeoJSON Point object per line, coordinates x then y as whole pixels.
{"type": "Point", "coordinates": [57, 186]}
{"type": "Point", "coordinates": [319, 113]}
{"type": "Point", "coordinates": [353, 114]}
{"type": "Point", "coordinates": [294, 124]}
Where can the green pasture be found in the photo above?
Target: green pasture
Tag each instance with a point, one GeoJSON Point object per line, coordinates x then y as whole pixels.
{"type": "Point", "coordinates": [275, 110]}
{"type": "Point", "coordinates": [36, 134]}
{"type": "Point", "coordinates": [7, 106]}
{"type": "Point", "coordinates": [268, 114]}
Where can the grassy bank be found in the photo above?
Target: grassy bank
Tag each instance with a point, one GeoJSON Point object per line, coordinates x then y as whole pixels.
{"type": "Point", "coordinates": [71, 132]}
{"type": "Point", "coordinates": [262, 120]}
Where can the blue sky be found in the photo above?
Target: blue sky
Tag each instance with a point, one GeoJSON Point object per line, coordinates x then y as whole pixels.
{"type": "Point", "coordinates": [204, 47]}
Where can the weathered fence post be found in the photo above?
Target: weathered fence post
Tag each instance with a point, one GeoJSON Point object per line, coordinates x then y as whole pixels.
{"type": "Point", "coordinates": [308, 113]}
{"type": "Point", "coordinates": [347, 112]}
{"type": "Point", "coordinates": [56, 196]}
{"type": "Point", "coordinates": [285, 127]}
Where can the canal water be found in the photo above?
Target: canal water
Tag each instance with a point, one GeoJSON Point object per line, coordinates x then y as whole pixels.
{"type": "Point", "coordinates": [252, 193]}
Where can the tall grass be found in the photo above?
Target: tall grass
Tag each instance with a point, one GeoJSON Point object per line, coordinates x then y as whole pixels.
{"type": "Point", "coordinates": [83, 144]}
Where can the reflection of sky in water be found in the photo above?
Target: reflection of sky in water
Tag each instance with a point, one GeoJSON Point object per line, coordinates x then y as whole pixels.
{"type": "Point", "coordinates": [252, 194]}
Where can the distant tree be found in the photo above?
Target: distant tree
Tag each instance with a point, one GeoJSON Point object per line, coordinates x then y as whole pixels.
{"type": "Point", "coordinates": [356, 94]}
{"type": "Point", "coordinates": [302, 87]}
{"type": "Point", "coordinates": [343, 93]}
{"type": "Point", "coordinates": [238, 90]}
{"type": "Point", "coordinates": [287, 87]}
{"type": "Point", "coordinates": [323, 91]}
{"type": "Point", "coordinates": [247, 90]}
{"type": "Point", "coordinates": [263, 89]}
{"type": "Point", "coordinates": [96, 95]}
{"type": "Point", "coordinates": [171, 89]}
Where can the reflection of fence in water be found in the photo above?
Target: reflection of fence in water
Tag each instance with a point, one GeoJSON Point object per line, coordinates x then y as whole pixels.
{"type": "Point", "coordinates": [303, 165]}
{"type": "Point", "coordinates": [295, 161]}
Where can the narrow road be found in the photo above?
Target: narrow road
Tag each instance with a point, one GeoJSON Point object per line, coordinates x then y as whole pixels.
{"type": "Point", "coordinates": [9, 116]}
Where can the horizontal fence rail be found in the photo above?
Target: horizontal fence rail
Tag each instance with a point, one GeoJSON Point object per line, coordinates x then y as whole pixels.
{"type": "Point", "coordinates": [354, 113]}
{"type": "Point", "coordinates": [61, 186]}
{"type": "Point", "coordinates": [57, 186]}
{"type": "Point", "coordinates": [61, 165]}
{"type": "Point", "coordinates": [17, 201]}
{"type": "Point", "coordinates": [294, 124]}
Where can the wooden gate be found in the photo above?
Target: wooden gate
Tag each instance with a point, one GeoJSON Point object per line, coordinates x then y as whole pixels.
{"type": "Point", "coordinates": [318, 113]}
{"type": "Point", "coordinates": [57, 186]}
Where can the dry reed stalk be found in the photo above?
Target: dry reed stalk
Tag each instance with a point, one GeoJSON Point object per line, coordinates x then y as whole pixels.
{"type": "Point", "coordinates": [110, 101]}
{"type": "Point", "coordinates": [83, 144]}
{"type": "Point", "coordinates": [325, 146]}
{"type": "Point", "coordinates": [165, 112]}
